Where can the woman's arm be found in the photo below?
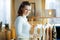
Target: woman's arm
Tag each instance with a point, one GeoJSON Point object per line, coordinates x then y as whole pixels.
{"type": "Point", "coordinates": [19, 27]}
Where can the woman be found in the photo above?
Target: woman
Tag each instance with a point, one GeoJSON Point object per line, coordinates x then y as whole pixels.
{"type": "Point", "coordinates": [21, 24]}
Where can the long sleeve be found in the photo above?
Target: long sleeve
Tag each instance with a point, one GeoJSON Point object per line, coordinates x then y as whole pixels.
{"type": "Point", "coordinates": [22, 28]}
{"type": "Point", "coordinates": [19, 27]}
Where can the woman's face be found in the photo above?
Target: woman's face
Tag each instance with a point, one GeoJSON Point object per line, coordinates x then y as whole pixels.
{"type": "Point", "coordinates": [26, 10]}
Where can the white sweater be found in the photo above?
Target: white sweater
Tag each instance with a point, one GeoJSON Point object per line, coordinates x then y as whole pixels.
{"type": "Point", "coordinates": [22, 27]}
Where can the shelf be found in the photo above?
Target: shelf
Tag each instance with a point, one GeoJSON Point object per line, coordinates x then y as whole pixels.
{"type": "Point", "coordinates": [42, 17]}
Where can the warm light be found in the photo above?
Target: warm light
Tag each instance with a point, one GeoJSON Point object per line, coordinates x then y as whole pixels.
{"type": "Point", "coordinates": [50, 13]}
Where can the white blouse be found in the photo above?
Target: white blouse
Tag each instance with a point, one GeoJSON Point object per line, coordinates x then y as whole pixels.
{"type": "Point", "coordinates": [22, 27]}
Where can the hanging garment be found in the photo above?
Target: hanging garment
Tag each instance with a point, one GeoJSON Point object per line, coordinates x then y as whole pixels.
{"type": "Point", "coordinates": [54, 33]}
{"type": "Point", "coordinates": [38, 31]}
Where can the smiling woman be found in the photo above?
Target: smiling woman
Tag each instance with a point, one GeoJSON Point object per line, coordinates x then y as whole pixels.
{"type": "Point", "coordinates": [22, 25]}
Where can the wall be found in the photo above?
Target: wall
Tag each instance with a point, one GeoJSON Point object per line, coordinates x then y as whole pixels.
{"type": "Point", "coordinates": [13, 16]}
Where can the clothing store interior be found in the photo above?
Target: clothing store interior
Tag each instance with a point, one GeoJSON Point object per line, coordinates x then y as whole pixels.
{"type": "Point", "coordinates": [44, 19]}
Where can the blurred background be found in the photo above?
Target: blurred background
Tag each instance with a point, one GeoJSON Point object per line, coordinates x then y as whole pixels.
{"type": "Point", "coordinates": [43, 11]}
